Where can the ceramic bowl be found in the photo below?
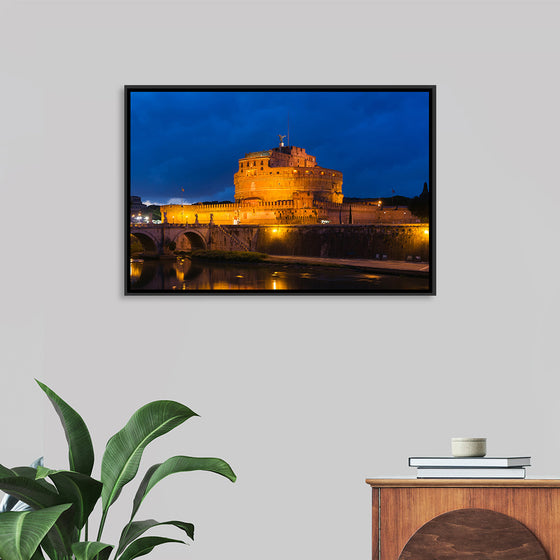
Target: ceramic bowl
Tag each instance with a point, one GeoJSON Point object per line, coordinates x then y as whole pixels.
{"type": "Point", "coordinates": [468, 447]}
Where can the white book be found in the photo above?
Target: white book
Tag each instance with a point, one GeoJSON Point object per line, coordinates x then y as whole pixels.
{"type": "Point", "coordinates": [478, 472]}
{"type": "Point", "coordinates": [469, 461]}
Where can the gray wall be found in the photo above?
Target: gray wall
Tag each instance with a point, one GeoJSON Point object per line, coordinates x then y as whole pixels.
{"type": "Point", "coordinates": [306, 397]}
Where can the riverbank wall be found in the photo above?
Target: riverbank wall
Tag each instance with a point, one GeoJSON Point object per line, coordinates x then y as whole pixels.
{"type": "Point", "coordinates": [394, 242]}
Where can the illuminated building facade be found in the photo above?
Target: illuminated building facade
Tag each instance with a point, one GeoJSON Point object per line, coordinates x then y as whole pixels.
{"type": "Point", "coordinates": [284, 185]}
{"type": "Point", "coordinates": [280, 173]}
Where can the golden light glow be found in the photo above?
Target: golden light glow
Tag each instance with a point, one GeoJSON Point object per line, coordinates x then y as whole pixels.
{"type": "Point", "coordinates": [427, 232]}
{"type": "Point", "coordinates": [179, 270]}
{"type": "Point", "coordinates": [222, 285]}
{"type": "Point", "coordinates": [277, 284]}
{"type": "Point", "coordinates": [136, 269]}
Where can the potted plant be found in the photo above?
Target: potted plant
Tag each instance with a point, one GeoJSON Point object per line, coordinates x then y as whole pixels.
{"type": "Point", "coordinates": [62, 501]}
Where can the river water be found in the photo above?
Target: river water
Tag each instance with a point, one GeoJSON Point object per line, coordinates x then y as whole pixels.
{"type": "Point", "coordinates": [184, 275]}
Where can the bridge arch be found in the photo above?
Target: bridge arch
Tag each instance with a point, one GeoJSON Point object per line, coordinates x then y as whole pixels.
{"type": "Point", "coordinates": [146, 241]}
{"type": "Point", "coordinates": [190, 241]}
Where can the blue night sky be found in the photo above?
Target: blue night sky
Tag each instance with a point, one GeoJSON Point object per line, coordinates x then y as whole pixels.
{"type": "Point", "coordinates": [193, 139]}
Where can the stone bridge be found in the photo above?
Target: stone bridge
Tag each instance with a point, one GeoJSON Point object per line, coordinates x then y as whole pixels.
{"type": "Point", "coordinates": [392, 241]}
{"type": "Point", "coordinates": [164, 239]}
{"type": "Point", "coordinates": [156, 239]}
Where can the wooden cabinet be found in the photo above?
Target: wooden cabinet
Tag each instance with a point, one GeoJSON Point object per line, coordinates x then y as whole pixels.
{"type": "Point", "coordinates": [493, 518]}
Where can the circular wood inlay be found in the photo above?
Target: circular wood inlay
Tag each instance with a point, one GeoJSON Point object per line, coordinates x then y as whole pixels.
{"type": "Point", "coordinates": [469, 534]}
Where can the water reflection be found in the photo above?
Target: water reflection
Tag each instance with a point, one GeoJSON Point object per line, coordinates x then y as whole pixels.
{"type": "Point", "coordinates": [187, 275]}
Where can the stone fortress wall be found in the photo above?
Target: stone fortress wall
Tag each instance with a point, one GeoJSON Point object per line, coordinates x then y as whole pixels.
{"type": "Point", "coordinates": [285, 212]}
{"type": "Point", "coordinates": [284, 185]}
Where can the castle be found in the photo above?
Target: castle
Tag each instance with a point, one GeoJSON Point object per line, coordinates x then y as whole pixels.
{"type": "Point", "coordinates": [284, 185]}
{"type": "Point", "coordinates": [284, 173]}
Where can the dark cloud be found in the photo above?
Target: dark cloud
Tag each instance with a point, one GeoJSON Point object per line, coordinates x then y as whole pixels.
{"type": "Point", "coordinates": [192, 140]}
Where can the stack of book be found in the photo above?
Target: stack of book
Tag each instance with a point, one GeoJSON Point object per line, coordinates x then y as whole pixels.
{"type": "Point", "coordinates": [470, 467]}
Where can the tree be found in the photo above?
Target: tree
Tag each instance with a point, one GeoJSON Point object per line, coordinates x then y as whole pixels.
{"type": "Point", "coordinates": [420, 205]}
{"type": "Point", "coordinates": [155, 212]}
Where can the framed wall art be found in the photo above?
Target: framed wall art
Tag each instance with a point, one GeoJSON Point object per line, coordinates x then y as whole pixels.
{"type": "Point", "coordinates": [280, 190]}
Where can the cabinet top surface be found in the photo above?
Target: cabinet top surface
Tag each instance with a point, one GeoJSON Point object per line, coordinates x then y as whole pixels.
{"type": "Point", "coordinates": [463, 482]}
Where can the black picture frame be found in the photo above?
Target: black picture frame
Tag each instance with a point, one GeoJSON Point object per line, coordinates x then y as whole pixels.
{"type": "Point", "coordinates": [288, 202]}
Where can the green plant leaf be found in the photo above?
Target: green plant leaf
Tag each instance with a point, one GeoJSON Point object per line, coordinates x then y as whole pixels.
{"type": "Point", "coordinates": [133, 530]}
{"type": "Point", "coordinates": [58, 542]}
{"type": "Point", "coordinates": [38, 555]}
{"type": "Point", "coordinates": [79, 489]}
{"type": "Point", "coordinates": [50, 550]}
{"type": "Point", "coordinates": [27, 472]}
{"type": "Point", "coordinates": [60, 538]}
{"type": "Point", "coordinates": [11, 503]}
{"type": "Point", "coordinates": [8, 502]}
{"type": "Point", "coordinates": [80, 448]}
{"type": "Point", "coordinates": [143, 546]}
{"type": "Point", "coordinates": [124, 450]}
{"type": "Point", "coordinates": [39, 497]}
{"type": "Point", "coordinates": [6, 472]}
{"type": "Point", "coordinates": [175, 465]}
{"type": "Point", "coordinates": [90, 549]}
{"type": "Point", "coordinates": [29, 491]}
{"type": "Point", "coordinates": [31, 473]}
{"type": "Point", "coordinates": [22, 532]}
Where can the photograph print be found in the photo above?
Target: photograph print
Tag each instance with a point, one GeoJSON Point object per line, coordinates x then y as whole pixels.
{"type": "Point", "coordinates": [280, 190]}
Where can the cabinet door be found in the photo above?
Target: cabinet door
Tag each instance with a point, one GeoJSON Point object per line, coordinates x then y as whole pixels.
{"type": "Point", "coordinates": [464, 534]}
{"type": "Point", "coordinates": [403, 511]}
